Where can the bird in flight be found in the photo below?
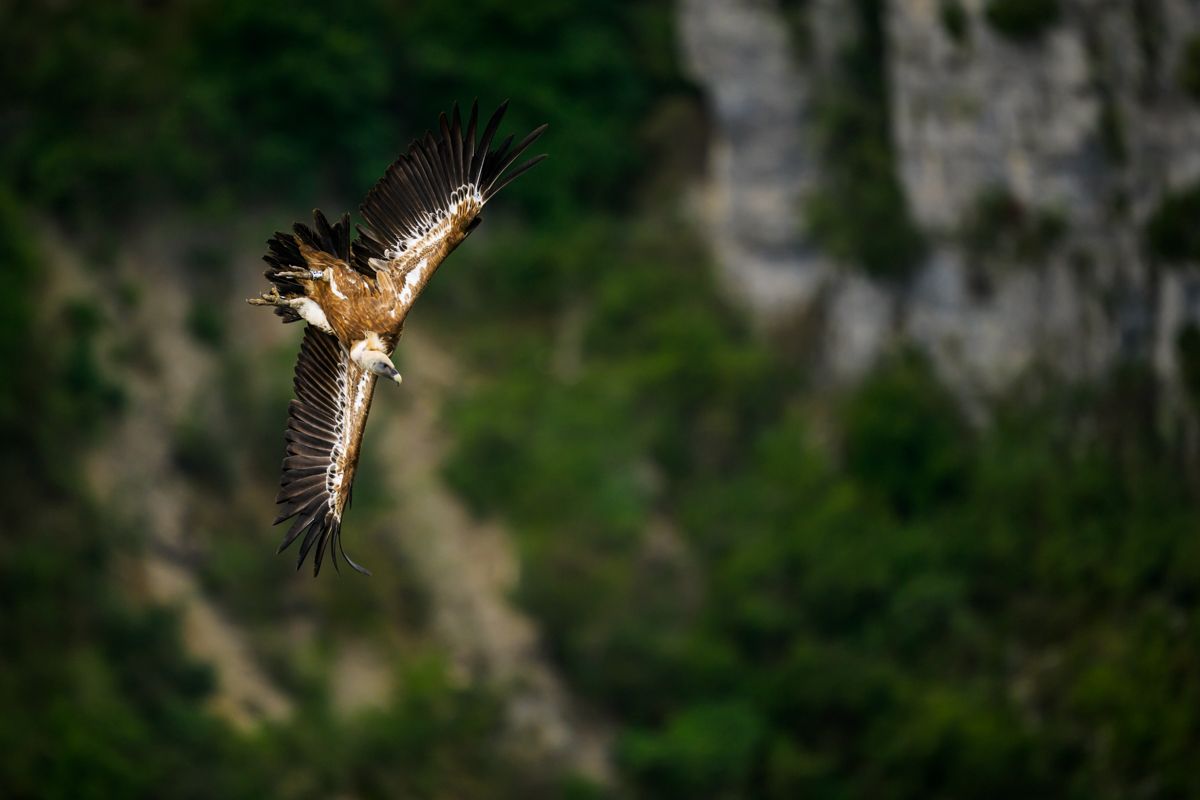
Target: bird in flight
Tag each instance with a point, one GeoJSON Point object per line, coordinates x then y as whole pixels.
{"type": "Point", "coordinates": [355, 296]}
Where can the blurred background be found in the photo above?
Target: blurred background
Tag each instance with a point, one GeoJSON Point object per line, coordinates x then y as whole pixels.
{"type": "Point", "coordinates": [820, 420]}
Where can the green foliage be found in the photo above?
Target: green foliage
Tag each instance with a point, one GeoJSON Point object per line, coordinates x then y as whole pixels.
{"type": "Point", "coordinates": [904, 438]}
{"type": "Point", "coordinates": [572, 445]}
{"type": "Point", "coordinates": [98, 699]}
{"type": "Point", "coordinates": [18, 266]}
{"type": "Point", "coordinates": [860, 214]}
{"type": "Point", "coordinates": [1022, 20]}
{"type": "Point", "coordinates": [289, 101]}
{"type": "Point", "coordinates": [1002, 227]}
{"type": "Point", "coordinates": [1171, 233]}
{"type": "Point", "coordinates": [1112, 129]}
{"type": "Point", "coordinates": [705, 750]}
{"type": "Point", "coordinates": [128, 104]}
{"type": "Point", "coordinates": [795, 15]}
{"type": "Point", "coordinates": [433, 740]}
{"type": "Point", "coordinates": [1187, 346]}
{"type": "Point", "coordinates": [1189, 68]}
{"type": "Point", "coordinates": [954, 20]}
{"type": "Point", "coordinates": [655, 344]}
{"type": "Point", "coordinates": [200, 456]}
{"type": "Point", "coordinates": [841, 626]}
{"type": "Point", "coordinates": [206, 323]}
{"type": "Point", "coordinates": [1150, 25]}
{"type": "Point", "coordinates": [538, 270]}
{"type": "Point", "coordinates": [278, 93]}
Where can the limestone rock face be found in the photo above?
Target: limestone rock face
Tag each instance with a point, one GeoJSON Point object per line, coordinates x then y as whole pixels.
{"type": "Point", "coordinates": [989, 112]}
{"type": "Point", "coordinates": [761, 163]}
{"type": "Point", "coordinates": [1085, 122]}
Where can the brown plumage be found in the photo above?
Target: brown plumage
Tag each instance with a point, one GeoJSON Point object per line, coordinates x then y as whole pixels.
{"type": "Point", "coordinates": [355, 296]}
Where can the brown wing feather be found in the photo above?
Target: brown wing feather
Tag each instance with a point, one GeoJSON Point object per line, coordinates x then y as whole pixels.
{"type": "Point", "coordinates": [325, 427]}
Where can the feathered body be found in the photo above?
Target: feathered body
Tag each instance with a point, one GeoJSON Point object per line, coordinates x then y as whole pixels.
{"type": "Point", "coordinates": [355, 297]}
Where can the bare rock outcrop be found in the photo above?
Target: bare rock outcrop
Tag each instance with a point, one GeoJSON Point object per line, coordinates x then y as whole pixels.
{"type": "Point", "coordinates": [1084, 124]}
{"type": "Point", "coordinates": [761, 162]}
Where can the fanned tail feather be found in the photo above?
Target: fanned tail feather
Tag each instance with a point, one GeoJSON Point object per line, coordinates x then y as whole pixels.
{"type": "Point", "coordinates": [283, 254]}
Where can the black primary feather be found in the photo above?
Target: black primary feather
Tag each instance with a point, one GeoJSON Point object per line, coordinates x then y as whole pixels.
{"type": "Point", "coordinates": [283, 254]}
{"type": "Point", "coordinates": [417, 189]}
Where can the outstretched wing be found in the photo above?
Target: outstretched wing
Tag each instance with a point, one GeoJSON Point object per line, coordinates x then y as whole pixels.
{"type": "Point", "coordinates": [430, 198]}
{"type": "Point", "coordinates": [324, 433]}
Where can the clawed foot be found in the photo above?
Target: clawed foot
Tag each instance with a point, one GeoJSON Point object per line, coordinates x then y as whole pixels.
{"type": "Point", "coordinates": [271, 298]}
{"type": "Point", "coordinates": [305, 307]}
{"type": "Point", "coordinates": [306, 274]}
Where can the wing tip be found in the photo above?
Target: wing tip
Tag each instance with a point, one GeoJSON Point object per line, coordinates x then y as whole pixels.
{"type": "Point", "coordinates": [420, 183]}
{"type": "Point", "coordinates": [304, 495]}
{"type": "Point", "coordinates": [323, 534]}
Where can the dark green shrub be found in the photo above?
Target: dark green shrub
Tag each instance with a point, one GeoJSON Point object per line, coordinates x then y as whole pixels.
{"type": "Point", "coordinates": [1172, 232]}
{"type": "Point", "coordinates": [23, 369]}
{"type": "Point", "coordinates": [1001, 226]}
{"type": "Point", "coordinates": [796, 15]}
{"type": "Point", "coordinates": [860, 214]}
{"type": "Point", "coordinates": [904, 437]}
{"type": "Point", "coordinates": [1189, 68]}
{"type": "Point", "coordinates": [705, 750]}
{"type": "Point", "coordinates": [1112, 129]}
{"type": "Point", "coordinates": [1150, 27]}
{"type": "Point", "coordinates": [201, 455]}
{"type": "Point", "coordinates": [1022, 20]}
{"type": "Point", "coordinates": [1187, 346]}
{"type": "Point", "coordinates": [955, 21]}
{"type": "Point", "coordinates": [206, 323]}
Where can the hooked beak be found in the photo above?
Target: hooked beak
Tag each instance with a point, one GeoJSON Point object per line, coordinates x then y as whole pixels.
{"type": "Point", "coordinates": [374, 360]}
{"type": "Point", "coordinates": [384, 369]}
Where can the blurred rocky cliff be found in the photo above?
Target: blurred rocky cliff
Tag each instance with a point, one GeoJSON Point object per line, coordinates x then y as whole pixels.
{"type": "Point", "coordinates": [1023, 173]}
{"type": "Point", "coordinates": [628, 540]}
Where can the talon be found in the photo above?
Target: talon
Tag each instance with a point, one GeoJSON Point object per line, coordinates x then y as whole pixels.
{"type": "Point", "coordinates": [306, 274]}
{"type": "Point", "coordinates": [270, 298]}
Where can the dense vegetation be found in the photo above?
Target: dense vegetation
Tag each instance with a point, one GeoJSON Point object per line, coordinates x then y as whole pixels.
{"type": "Point", "coordinates": [1022, 20]}
{"type": "Point", "coordinates": [772, 592]}
{"type": "Point", "coordinates": [920, 609]}
{"type": "Point", "coordinates": [1170, 232]}
{"type": "Point", "coordinates": [1002, 228]}
{"type": "Point", "coordinates": [954, 20]}
{"type": "Point", "coordinates": [860, 214]}
{"type": "Point", "coordinates": [1189, 68]}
